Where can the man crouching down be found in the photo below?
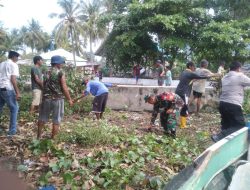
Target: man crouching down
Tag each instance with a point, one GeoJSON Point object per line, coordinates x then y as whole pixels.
{"type": "Point", "coordinates": [167, 104]}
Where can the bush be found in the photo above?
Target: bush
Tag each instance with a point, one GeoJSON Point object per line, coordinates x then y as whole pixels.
{"type": "Point", "coordinates": [88, 134]}
{"type": "Point", "coordinates": [246, 102]}
{"type": "Point", "coordinates": [25, 102]}
{"type": "Point", "coordinates": [83, 106]}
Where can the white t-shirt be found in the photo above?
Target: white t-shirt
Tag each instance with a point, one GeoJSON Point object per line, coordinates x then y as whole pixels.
{"type": "Point", "coordinates": [200, 84]}
{"type": "Point", "coordinates": [7, 69]}
{"type": "Point", "coordinates": [221, 70]}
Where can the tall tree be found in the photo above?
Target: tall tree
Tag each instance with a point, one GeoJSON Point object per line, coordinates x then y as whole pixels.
{"type": "Point", "coordinates": [230, 9]}
{"type": "Point", "coordinates": [9, 41]}
{"type": "Point", "coordinates": [185, 29]}
{"type": "Point", "coordinates": [69, 27]}
{"type": "Point", "coordinates": [33, 36]}
{"type": "Point", "coordinates": [94, 29]}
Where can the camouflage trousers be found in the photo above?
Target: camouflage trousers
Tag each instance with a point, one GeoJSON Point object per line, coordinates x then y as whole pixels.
{"type": "Point", "coordinates": [168, 121]}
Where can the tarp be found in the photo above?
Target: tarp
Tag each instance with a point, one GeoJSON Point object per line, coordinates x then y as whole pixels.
{"type": "Point", "coordinates": [80, 62]}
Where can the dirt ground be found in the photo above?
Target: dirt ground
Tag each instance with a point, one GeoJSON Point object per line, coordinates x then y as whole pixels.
{"type": "Point", "coordinates": [205, 124]}
{"type": "Point", "coordinates": [201, 126]}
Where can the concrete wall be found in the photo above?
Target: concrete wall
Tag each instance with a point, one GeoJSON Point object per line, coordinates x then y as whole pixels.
{"type": "Point", "coordinates": [131, 97]}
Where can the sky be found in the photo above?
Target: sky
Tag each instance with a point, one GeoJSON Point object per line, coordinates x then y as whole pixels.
{"type": "Point", "coordinates": [18, 13]}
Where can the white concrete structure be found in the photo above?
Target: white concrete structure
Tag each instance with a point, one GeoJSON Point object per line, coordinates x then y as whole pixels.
{"type": "Point", "coordinates": [128, 96]}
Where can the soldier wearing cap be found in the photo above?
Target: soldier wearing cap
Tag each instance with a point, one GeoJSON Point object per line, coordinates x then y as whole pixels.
{"type": "Point", "coordinates": [54, 91]}
{"type": "Point", "coordinates": [166, 104]}
{"type": "Point", "coordinates": [9, 92]}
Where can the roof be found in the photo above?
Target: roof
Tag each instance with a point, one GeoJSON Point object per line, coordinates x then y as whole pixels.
{"type": "Point", "coordinates": [62, 52]}
{"type": "Point", "coordinates": [80, 62]}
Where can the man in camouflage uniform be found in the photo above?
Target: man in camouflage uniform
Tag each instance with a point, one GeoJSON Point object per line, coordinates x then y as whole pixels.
{"type": "Point", "coordinates": [166, 104]}
{"type": "Point", "coordinates": [54, 90]}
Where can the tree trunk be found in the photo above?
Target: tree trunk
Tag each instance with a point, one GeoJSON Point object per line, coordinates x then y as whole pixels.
{"type": "Point", "coordinates": [91, 52]}
{"type": "Point", "coordinates": [73, 47]}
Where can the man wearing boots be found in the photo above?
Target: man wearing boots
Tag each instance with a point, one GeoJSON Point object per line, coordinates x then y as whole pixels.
{"type": "Point", "coordinates": [184, 89]}
{"type": "Point", "coordinates": [54, 90]}
{"type": "Point", "coordinates": [167, 104]}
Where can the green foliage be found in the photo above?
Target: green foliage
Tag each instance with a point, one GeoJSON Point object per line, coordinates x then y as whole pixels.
{"type": "Point", "coordinates": [246, 102]}
{"type": "Point", "coordinates": [184, 30]}
{"type": "Point", "coordinates": [87, 134]}
{"type": "Point", "coordinates": [74, 81]}
{"type": "Point", "coordinates": [25, 102]}
{"type": "Point", "coordinates": [44, 179]}
{"type": "Point", "coordinates": [223, 40]}
{"type": "Point", "coordinates": [39, 147]}
{"type": "Point", "coordinates": [45, 146]}
{"type": "Point", "coordinates": [22, 168]}
{"type": "Point", "coordinates": [129, 161]}
{"type": "Point", "coordinates": [81, 107]}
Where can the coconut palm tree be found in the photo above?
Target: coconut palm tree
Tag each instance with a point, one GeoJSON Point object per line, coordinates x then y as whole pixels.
{"type": "Point", "coordinates": [91, 14]}
{"type": "Point", "coordinates": [33, 36]}
{"type": "Point", "coordinates": [69, 27]}
{"type": "Point", "coordinates": [2, 40]}
{"type": "Point", "coordinates": [9, 41]}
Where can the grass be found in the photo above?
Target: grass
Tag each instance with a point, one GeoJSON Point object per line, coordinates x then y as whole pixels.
{"type": "Point", "coordinates": [88, 133]}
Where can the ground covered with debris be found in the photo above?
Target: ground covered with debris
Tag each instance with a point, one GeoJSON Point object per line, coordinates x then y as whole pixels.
{"type": "Point", "coordinates": [115, 153]}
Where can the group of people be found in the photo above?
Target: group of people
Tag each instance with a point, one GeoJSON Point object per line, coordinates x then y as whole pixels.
{"type": "Point", "coordinates": [48, 91]}
{"type": "Point", "coordinates": [163, 74]}
{"type": "Point", "coordinates": [168, 104]}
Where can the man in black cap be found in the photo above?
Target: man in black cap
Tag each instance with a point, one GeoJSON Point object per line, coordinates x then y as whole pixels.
{"type": "Point", "coordinates": [9, 92]}
{"type": "Point", "coordinates": [231, 99]}
{"type": "Point", "coordinates": [54, 90]}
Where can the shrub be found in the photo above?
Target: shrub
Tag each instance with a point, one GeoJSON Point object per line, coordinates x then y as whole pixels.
{"type": "Point", "coordinates": [88, 134]}
{"type": "Point", "coordinates": [246, 102]}
{"type": "Point", "coordinates": [83, 106]}
{"type": "Point", "coordinates": [25, 102]}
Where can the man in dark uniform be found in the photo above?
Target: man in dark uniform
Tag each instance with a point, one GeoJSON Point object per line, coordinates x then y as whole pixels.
{"type": "Point", "coordinates": [167, 104]}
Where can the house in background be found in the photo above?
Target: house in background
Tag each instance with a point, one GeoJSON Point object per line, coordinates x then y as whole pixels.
{"type": "Point", "coordinates": [82, 64]}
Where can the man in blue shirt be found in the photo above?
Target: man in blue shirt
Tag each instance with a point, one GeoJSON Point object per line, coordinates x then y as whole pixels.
{"type": "Point", "coordinates": [100, 91]}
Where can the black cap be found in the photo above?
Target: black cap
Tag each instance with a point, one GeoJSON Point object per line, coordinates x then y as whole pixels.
{"type": "Point", "coordinates": [235, 65]}
{"type": "Point", "coordinates": [57, 59]}
{"type": "Point", "coordinates": [13, 54]}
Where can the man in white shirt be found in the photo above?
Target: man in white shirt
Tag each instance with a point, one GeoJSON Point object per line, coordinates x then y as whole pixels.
{"type": "Point", "coordinates": [221, 69]}
{"type": "Point", "coordinates": [9, 92]}
{"type": "Point", "coordinates": [199, 86]}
